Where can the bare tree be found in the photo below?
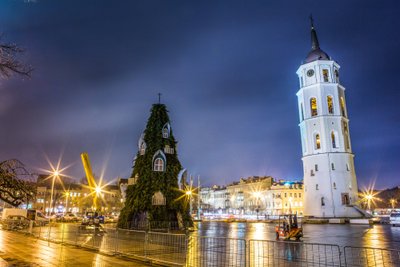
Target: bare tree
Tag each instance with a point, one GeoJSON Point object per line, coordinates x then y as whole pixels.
{"type": "Point", "coordinates": [9, 63]}
{"type": "Point", "coordinates": [17, 185]}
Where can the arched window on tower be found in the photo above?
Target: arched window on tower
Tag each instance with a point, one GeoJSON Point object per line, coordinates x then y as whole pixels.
{"type": "Point", "coordinates": [337, 76]}
{"type": "Point", "coordinates": [325, 75]}
{"type": "Point", "coordinates": [317, 142]}
{"type": "Point", "coordinates": [333, 139]}
{"type": "Point", "coordinates": [346, 135]}
{"type": "Point", "coordinates": [342, 106]}
{"type": "Point", "coordinates": [329, 100]}
{"type": "Point", "coordinates": [313, 106]}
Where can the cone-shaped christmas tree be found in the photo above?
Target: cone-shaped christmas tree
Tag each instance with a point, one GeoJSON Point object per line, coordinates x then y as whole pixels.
{"type": "Point", "coordinates": [155, 198]}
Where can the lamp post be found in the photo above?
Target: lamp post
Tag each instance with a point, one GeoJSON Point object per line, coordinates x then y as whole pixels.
{"type": "Point", "coordinates": [66, 202]}
{"type": "Point", "coordinates": [189, 195]}
{"type": "Point", "coordinates": [55, 174]}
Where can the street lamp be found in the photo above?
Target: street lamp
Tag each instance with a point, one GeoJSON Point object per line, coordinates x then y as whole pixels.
{"type": "Point", "coordinates": [55, 175]}
{"type": "Point", "coordinates": [189, 195]}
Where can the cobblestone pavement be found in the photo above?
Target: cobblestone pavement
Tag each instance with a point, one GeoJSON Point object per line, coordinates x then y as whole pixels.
{"type": "Point", "coordinates": [17, 249]}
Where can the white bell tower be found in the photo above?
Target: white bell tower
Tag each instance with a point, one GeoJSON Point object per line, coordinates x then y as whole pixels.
{"type": "Point", "coordinates": [330, 181]}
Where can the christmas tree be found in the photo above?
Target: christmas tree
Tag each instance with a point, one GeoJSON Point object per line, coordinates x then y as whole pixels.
{"type": "Point", "coordinates": [154, 197]}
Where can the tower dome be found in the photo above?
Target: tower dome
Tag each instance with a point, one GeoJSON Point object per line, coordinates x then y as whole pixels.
{"type": "Point", "coordinates": [316, 52]}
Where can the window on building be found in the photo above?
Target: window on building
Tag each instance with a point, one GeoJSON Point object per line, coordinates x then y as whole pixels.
{"type": "Point", "coordinates": [301, 81]}
{"type": "Point", "coordinates": [329, 100]}
{"type": "Point", "coordinates": [290, 194]}
{"type": "Point", "coordinates": [346, 135]}
{"type": "Point", "coordinates": [345, 199]}
{"type": "Point", "coordinates": [333, 166]}
{"type": "Point", "coordinates": [312, 173]}
{"type": "Point", "coordinates": [333, 139]}
{"type": "Point", "coordinates": [313, 106]}
{"type": "Point", "coordinates": [316, 187]}
{"type": "Point", "coordinates": [347, 167]}
{"type": "Point", "coordinates": [302, 112]}
{"type": "Point", "coordinates": [295, 195]}
{"type": "Point", "coordinates": [337, 75]}
{"type": "Point", "coordinates": [165, 133]}
{"type": "Point", "coordinates": [285, 194]}
{"type": "Point", "coordinates": [342, 106]}
{"type": "Point", "coordinates": [322, 201]}
{"type": "Point", "coordinates": [159, 165]}
{"type": "Point", "coordinates": [325, 75]}
{"type": "Point", "coordinates": [316, 167]}
{"type": "Point", "coordinates": [166, 130]}
{"type": "Point", "coordinates": [334, 185]}
{"type": "Point", "coordinates": [317, 142]}
{"type": "Point", "coordinates": [299, 194]}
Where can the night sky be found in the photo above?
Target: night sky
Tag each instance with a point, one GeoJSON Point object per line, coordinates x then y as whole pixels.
{"type": "Point", "coordinates": [226, 71]}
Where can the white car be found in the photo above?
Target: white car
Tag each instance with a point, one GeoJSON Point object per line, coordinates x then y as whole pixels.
{"type": "Point", "coordinates": [395, 218]}
{"type": "Point", "coordinates": [70, 217]}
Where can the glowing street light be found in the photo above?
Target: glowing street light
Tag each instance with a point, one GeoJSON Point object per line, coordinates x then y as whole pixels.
{"type": "Point", "coordinates": [55, 175]}
{"type": "Point", "coordinates": [393, 202]}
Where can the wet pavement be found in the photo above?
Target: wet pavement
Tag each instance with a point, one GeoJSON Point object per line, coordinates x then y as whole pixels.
{"type": "Point", "coordinates": [20, 250]}
{"type": "Point", "coordinates": [378, 235]}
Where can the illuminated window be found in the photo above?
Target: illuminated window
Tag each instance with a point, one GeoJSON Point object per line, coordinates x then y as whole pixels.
{"type": "Point", "coordinates": [329, 100]}
{"type": "Point", "coordinates": [317, 142]}
{"type": "Point", "coordinates": [333, 139]}
{"type": "Point", "coordinates": [159, 165]}
{"type": "Point", "coordinates": [313, 105]}
{"type": "Point", "coordinates": [342, 106]}
{"type": "Point", "coordinates": [325, 75]}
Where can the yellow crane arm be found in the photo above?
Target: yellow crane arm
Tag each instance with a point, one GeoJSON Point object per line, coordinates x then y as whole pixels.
{"type": "Point", "coordinates": [88, 170]}
{"type": "Point", "coordinates": [89, 177]}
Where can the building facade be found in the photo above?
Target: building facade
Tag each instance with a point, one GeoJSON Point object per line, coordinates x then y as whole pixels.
{"type": "Point", "coordinates": [328, 161]}
{"type": "Point", "coordinates": [253, 196]}
{"type": "Point", "coordinates": [69, 196]}
{"type": "Point", "coordinates": [284, 198]}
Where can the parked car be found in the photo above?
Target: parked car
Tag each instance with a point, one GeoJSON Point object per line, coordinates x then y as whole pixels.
{"type": "Point", "coordinates": [70, 217]}
{"type": "Point", "coordinates": [395, 218]}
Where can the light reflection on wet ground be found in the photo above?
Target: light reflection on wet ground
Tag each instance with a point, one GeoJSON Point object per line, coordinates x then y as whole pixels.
{"type": "Point", "coordinates": [379, 236]}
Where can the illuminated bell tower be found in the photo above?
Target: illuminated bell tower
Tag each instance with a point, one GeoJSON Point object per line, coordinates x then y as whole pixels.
{"type": "Point", "coordinates": [330, 182]}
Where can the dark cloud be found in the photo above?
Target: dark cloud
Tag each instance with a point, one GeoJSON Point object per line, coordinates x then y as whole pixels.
{"type": "Point", "coordinates": [226, 71]}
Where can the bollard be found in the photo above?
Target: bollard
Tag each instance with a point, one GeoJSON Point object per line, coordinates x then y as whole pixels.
{"type": "Point", "coordinates": [30, 226]}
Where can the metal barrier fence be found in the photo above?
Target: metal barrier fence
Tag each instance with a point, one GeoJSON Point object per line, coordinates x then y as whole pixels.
{"type": "Point", "coordinates": [216, 251]}
{"type": "Point", "coordinates": [197, 251]}
{"type": "Point", "coordinates": [278, 253]}
{"type": "Point", "coordinates": [371, 257]}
